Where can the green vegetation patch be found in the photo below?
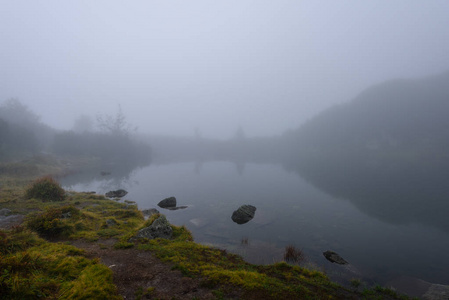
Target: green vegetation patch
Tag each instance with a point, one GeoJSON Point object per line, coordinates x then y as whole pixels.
{"type": "Point", "coordinates": [220, 268]}
{"type": "Point", "coordinates": [45, 189]}
{"type": "Point", "coordinates": [53, 222]}
{"type": "Point", "coordinates": [32, 268]}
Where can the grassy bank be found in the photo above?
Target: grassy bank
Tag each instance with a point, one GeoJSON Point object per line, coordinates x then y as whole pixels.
{"type": "Point", "coordinates": [39, 261]}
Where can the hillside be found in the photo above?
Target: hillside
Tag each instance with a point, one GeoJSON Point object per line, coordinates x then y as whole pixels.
{"type": "Point", "coordinates": [405, 114]}
{"type": "Point", "coordinates": [386, 150]}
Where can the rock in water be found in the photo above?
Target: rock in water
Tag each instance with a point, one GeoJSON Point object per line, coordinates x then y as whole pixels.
{"type": "Point", "coordinates": [334, 258]}
{"type": "Point", "coordinates": [243, 214]}
{"type": "Point", "coordinates": [160, 228]}
{"type": "Point", "coordinates": [116, 194]}
{"type": "Point", "coordinates": [167, 202]}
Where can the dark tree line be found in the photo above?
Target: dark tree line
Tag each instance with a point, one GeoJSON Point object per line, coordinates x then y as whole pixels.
{"type": "Point", "coordinates": [23, 134]}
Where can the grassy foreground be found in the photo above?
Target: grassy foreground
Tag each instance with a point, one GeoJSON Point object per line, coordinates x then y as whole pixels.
{"type": "Point", "coordinates": [37, 260]}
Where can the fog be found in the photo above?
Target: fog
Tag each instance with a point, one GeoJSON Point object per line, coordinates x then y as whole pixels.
{"type": "Point", "coordinates": [180, 66]}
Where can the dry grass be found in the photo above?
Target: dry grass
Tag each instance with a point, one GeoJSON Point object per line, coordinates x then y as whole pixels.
{"type": "Point", "coordinates": [293, 254]}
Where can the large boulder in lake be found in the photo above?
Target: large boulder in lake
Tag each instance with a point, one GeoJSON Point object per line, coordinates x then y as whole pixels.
{"type": "Point", "coordinates": [334, 258]}
{"type": "Point", "coordinates": [116, 194]}
{"type": "Point", "coordinates": [167, 203]}
{"type": "Point", "coordinates": [243, 214]}
{"type": "Point", "coordinates": [160, 228]}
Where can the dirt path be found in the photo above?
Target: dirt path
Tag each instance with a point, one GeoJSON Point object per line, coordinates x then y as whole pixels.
{"type": "Point", "coordinates": [136, 271]}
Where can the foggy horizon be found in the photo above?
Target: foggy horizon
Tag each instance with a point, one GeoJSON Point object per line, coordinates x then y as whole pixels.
{"type": "Point", "coordinates": [177, 67]}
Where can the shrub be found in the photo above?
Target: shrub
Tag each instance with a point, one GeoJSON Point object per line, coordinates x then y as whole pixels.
{"type": "Point", "coordinates": [50, 223]}
{"type": "Point", "coordinates": [45, 189]}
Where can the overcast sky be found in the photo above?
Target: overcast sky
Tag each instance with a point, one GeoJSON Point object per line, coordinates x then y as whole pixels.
{"type": "Point", "coordinates": [213, 65]}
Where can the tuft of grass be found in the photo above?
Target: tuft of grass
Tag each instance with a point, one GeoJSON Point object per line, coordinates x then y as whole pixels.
{"type": "Point", "coordinates": [293, 254]}
{"type": "Point", "coordinates": [93, 282]}
{"type": "Point", "coordinates": [45, 189]}
{"type": "Point", "coordinates": [355, 283]}
{"type": "Point", "coordinates": [146, 294]}
{"type": "Point", "coordinates": [123, 245]}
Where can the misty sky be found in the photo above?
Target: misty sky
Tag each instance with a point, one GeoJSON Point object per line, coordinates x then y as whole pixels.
{"type": "Point", "coordinates": [213, 65]}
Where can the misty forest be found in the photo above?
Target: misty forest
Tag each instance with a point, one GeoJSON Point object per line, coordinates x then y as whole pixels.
{"type": "Point", "coordinates": [238, 150]}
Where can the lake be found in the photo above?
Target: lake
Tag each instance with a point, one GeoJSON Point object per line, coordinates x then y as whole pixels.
{"type": "Point", "coordinates": [290, 211]}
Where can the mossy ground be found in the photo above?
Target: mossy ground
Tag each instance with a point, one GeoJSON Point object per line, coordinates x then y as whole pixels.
{"type": "Point", "coordinates": [37, 260]}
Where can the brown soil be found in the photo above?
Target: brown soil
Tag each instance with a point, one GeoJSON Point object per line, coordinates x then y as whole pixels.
{"type": "Point", "coordinates": [136, 270]}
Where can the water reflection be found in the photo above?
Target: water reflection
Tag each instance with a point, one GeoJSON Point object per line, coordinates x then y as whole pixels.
{"type": "Point", "coordinates": [292, 211]}
{"type": "Point", "coordinates": [102, 177]}
{"type": "Point", "coordinates": [395, 194]}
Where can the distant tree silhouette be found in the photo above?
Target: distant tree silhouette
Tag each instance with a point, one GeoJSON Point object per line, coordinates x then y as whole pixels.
{"type": "Point", "coordinates": [114, 125]}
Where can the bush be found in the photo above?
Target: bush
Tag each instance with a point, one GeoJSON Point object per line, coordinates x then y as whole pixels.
{"type": "Point", "coordinates": [50, 222]}
{"type": "Point", "coordinates": [45, 189]}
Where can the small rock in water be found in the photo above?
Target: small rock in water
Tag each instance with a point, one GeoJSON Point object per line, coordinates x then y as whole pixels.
{"type": "Point", "coordinates": [116, 194]}
{"type": "Point", "coordinates": [167, 202]}
{"type": "Point", "coordinates": [334, 258]}
{"type": "Point", "coordinates": [243, 214]}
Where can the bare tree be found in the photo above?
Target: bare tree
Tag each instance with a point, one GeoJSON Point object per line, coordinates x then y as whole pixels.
{"type": "Point", "coordinates": [115, 125]}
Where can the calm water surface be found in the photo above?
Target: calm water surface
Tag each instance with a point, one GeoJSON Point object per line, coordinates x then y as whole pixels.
{"type": "Point", "coordinates": [290, 211]}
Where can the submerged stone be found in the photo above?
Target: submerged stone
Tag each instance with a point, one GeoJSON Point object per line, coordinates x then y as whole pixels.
{"type": "Point", "coordinates": [244, 214]}
{"type": "Point", "coordinates": [334, 258]}
{"type": "Point", "coordinates": [116, 194]}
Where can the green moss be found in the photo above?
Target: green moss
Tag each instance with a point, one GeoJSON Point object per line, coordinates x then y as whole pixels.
{"type": "Point", "coordinates": [33, 268]}
{"type": "Point", "coordinates": [106, 233]}
{"type": "Point", "coordinates": [123, 245]}
{"type": "Point", "coordinates": [93, 282]}
{"type": "Point", "coordinates": [54, 221]}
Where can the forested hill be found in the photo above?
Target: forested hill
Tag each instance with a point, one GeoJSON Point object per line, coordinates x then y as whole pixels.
{"type": "Point", "coordinates": [412, 115]}
{"type": "Point", "coordinates": [386, 151]}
